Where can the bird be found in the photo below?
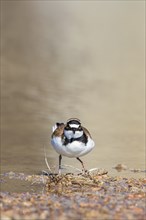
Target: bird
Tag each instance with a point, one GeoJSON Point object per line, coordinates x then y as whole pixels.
{"type": "Point", "coordinates": [71, 140]}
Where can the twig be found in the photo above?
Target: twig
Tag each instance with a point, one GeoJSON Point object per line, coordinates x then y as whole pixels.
{"type": "Point", "coordinates": [46, 161]}
{"type": "Point", "coordinates": [93, 169]}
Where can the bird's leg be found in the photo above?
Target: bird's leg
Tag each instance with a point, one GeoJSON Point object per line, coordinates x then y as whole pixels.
{"type": "Point", "coordinates": [84, 170]}
{"type": "Point", "coordinates": [60, 158]}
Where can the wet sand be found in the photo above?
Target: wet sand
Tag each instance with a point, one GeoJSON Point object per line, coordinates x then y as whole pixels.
{"type": "Point", "coordinates": [90, 196]}
{"type": "Point", "coordinates": [69, 59]}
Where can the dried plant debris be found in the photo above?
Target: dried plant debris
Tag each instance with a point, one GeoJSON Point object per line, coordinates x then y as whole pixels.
{"type": "Point", "coordinates": [71, 182]}
{"type": "Point", "coordinates": [121, 167]}
{"type": "Point", "coordinates": [134, 170]}
{"type": "Point", "coordinates": [93, 195]}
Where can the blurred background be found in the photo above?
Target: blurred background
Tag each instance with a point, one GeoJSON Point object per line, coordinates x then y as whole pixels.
{"type": "Point", "coordinates": [62, 59]}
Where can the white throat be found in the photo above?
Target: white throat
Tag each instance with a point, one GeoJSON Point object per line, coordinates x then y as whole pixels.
{"type": "Point", "coordinates": [70, 134]}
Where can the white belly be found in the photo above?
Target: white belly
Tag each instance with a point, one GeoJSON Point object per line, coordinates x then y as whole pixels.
{"type": "Point", "coordinates": [74, 149]}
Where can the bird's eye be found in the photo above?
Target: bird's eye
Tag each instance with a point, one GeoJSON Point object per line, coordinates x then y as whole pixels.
{"type": "Point", "coordinates": [67, 127]}
{"type": "Point", "coordinates": [79, 128]}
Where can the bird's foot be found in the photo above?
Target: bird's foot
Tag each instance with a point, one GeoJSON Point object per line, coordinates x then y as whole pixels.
{"type": "Point", "coordinates": [84, 173]}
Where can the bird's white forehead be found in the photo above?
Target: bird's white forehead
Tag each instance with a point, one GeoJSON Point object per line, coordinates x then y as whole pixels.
{"type": "Point", "coordinates": [73, 125]}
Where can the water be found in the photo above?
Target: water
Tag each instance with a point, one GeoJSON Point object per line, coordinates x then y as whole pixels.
{"type": "Point", "coordinates": [72, 59]}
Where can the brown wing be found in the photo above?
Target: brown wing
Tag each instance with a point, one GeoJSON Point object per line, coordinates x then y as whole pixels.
{"type": "Point", "coordinates": [59, 130]}
{"type": "Point", "coordinates": [86, 131]}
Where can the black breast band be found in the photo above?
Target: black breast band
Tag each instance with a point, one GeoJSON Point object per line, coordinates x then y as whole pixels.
{"type": "Point", "coordinates": [83, 139]}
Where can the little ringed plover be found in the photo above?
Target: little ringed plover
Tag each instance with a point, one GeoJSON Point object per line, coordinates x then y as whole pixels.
{"type": "Point", "coordinates": [71, 139]}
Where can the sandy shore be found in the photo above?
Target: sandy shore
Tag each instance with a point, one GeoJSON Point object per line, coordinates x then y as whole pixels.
{"type": "Point", "coordinates": [96, 196]}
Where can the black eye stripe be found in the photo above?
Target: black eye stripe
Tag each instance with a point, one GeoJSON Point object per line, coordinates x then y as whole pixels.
{"type": "Point", "coordinates": [73, 128]}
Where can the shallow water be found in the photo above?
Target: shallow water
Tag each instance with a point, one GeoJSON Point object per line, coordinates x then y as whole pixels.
{"type": "Point", "coordinates": [58, 63]}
